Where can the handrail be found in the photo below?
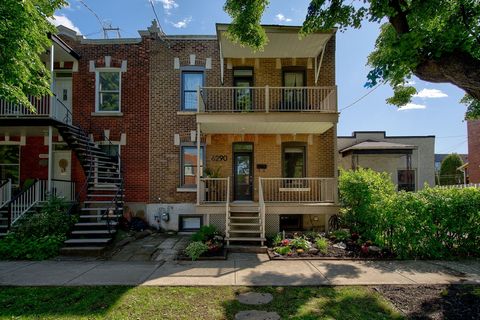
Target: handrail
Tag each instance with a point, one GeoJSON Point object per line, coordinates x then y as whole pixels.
{"type": "Point", "coordinates": [22, 202]}
{"type": "Point", "coordinates": [299, 190]}
{"type": "Point", "coordinates": [261, 203]}
{"type": "Point", "coordinates": [5, 192]}
{"type": "Point", "coordinates": [227, 210]}
{"type": "Point", "coordinates": [68, 115]}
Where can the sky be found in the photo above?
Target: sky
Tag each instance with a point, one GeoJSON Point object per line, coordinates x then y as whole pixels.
{"type": "Point", "coordinates": [435, 111]}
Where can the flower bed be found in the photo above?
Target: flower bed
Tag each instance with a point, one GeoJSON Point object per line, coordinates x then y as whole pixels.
{"type": "Point", "coordinates": [206, 244]}
{"type": "Point", "coordinates": [339, 244]}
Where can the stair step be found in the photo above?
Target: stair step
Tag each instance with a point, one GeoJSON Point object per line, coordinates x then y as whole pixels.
{"type": "Point", "coordinates": [244, 209]}
{"type": "Point", "coordinates": [105, 188]}
{"type": "Point", "coordinates": [95, 224]}
{"type": "Point", "coordinates": [245, 217]}
{"type": "Point", "coordinates": [87, 241]}
{"type": "Point", "coordinates": [101, 201]}
{"type": "Point", "coordinates": [99, 195]}
{"type": "Point", "coordinates": [97, 232]}
{"type": "Point", "coordinates": [100, 208]}
{"type": "Point", "coordinates": [246, 239]}
{"type": "Point", "coordinates": [243, 224]}
{"type": "Point", "coordinates": [93, 216]}
{"type": "Point", "coordinates": [245, 231]}
{"type": "Point", "coordinates": [82, 251]}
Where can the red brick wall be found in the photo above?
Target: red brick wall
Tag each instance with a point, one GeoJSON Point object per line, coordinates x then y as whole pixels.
{"type": "Point", "coordinates": [134, 106]}
{"type": "Point", "coordinates": [30, 167]}
{"type": "Point", "coordinates": [474, 150]}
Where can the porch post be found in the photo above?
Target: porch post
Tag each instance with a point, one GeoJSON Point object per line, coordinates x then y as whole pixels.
{"type": "Point", "coordinates": [52, 75]}
{"type": "Point", "coordinates": [198, 162]}
{"type": "Point", "coordinates": [50, 158]}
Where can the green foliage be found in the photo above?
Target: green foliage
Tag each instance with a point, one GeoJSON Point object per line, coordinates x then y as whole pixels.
{"type": "Point", "coordinates": [195, 249]}
{"type": "Point", "coordinates": [299, 243]}
{"type": "Point", "coordinates": [276, 239]}
{"type": "Point", "coordinates": [213, 173]}
{"type": "Point", "coordinates": [340, 235]}
{"type": "Point", "coordinates": [38, 236]}
{"type": "Point", "coordinates": [24, 33]}
{"type": "Point", "coordinates": [473, 107]}
{"type": "Point", "coordinates": [449, 174]}
{"type": "Point", "coordinates": [283, 250]}
{"type": "Point", "coordinates": [362, 193]}
{"type": "Point", "coordinates": [206, 233]}
{"type": "Point", "coordinates": [322, 245]}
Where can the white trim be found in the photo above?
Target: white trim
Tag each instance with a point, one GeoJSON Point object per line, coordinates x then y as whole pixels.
{"type": "Point", "coordinates": [97, 98]}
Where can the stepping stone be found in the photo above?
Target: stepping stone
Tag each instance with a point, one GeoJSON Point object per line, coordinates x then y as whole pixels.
{"type": "Point", "coordinates": [256, 315]}
{"type": "Point", "coordinates": [254, 298]}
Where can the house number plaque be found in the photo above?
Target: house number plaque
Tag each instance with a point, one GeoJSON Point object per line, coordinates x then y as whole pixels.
{"type": "Point", "coordinates": [219, 157]}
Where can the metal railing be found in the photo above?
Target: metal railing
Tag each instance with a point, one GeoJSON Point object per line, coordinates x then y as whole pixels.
{"type": "Point", "coordinates": [299, 190]}
{"type": "Point", "coordinates": [262, 208]}
{"type": "Point", "coordinates": [214, 190]}
{"type": "Point", "coordinates": [460, 186]}
{"type": "Point", "coordinates": [267, 99]}
{"type": "Point", "coordinates": [44, 107]}
{"type": "Point", "coordinates": [5, 192]}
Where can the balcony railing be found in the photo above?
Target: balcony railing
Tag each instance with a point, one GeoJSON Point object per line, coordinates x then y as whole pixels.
{"type": "Point", "coordinates": [267, 99]}
{"type": "Point", "coordinates": [299, 190]}
{"type": "Point", "coordinates": [45, 107]}
{"type": "Point", "coordinates": [214, 190]}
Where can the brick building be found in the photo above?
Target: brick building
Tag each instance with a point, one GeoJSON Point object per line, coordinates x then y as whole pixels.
{"type": "Point", "coordinates": [474, 151]}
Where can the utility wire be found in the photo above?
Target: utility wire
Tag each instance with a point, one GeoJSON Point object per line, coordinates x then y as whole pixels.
{"type": "Point", "coordinates": [362, 97]}
{"type": "Point", "coordinates": [454, 146]}
{"type": "Point", "coordinates": [94, 13]}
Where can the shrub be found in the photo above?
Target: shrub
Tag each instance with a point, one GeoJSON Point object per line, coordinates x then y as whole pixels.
{"type": "Point", "coordinates": [195, 249]}
{"type": "Point", "coordinates": [206, 233]}
{"type": "Point", "coordinates": [322, 245]}
{"type": "Point", "coordinates": [299, 243]}
{"type": "Point", "coordinates": [40, 235]}
{"type": "Point", "coordinates": [340, 235]}
{"type": "Point", "coordinates": [283, 250]}
{"type": "Point", "coordinates": [449, 174]}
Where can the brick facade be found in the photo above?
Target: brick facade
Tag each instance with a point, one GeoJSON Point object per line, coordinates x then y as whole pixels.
{"type": "Point", "coordinates": [474, 150]}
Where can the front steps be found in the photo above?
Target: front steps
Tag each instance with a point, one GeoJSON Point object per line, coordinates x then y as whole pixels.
{"type": "Point", "coordinates": [244, 224]}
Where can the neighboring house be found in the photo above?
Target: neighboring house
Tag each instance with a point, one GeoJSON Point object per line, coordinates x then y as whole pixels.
{"type": "Point", "coordinates": [142, 121]}
{"type": "Point", "coordinates": [264, 122]}
{"type": "Point", "coordinates": [474, 150]}
{"type": "Point", "coordinates": [462, 170]}
{"type": "Point", "coordinates": [408, 159]}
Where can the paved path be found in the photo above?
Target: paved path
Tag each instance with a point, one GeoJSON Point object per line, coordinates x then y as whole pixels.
{"type": "Point", "coordinates": [239, 269]}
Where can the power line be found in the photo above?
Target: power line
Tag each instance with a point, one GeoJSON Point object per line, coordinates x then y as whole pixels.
{"type": "Point", "coordinates": [105, 27]}
{"type": "Point", "coordinates": [362, 97]}
{"type": "Point", "coordinates": [454, 146]}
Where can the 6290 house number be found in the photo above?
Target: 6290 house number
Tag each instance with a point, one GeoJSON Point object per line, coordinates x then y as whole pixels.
{"type": "Point", "coordinates": [219, 157]}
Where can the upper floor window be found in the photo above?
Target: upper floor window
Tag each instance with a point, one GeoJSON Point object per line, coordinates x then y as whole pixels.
{"type": "Point", "coordinates": [189, 171]}
{"type": "Point", "coordinates": [108, 91]}
{"type": "Point", "coordinates": [294, 161]}
{"type": "Point", "coordinates": [191, 81]}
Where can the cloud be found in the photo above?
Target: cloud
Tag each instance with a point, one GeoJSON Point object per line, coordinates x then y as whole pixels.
{"type": "Point", "coordinates": [410, 82]}
{"type": "Point", "coordinates": [281, 18]}
{"type": "Point", "coordinates": [431, 94]}
{"type": "Point", "coordinates": [182, 23]}
{"type": "Point", "coordinates": [412, 106]}
{"type": "Point", "coordinates": [168, 5]}
{"type": "Point", "coordinates": [58, 20]}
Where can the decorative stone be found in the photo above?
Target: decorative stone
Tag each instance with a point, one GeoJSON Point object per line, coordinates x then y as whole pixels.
{"type": "Point", "coordinates": [340, 245]}
{"type": "Point", "coordinates": [256, 315]}
{"type": "Point", "coordinates": [374, 249]}
{"type": "Point", "coordinates": [312, 251]}
{"type": "Point", "coordinates": [255, 298]}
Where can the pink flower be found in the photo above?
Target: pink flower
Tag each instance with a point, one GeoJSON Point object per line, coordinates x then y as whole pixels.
{"type": "Point", "coordinates": [285, 242]}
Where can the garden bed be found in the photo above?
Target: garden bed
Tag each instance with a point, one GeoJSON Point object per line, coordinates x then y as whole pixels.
{"type": "Point", "coordinates": [221, 254]}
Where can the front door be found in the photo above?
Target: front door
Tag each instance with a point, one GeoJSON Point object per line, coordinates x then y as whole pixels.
{"type": "Point", "coordinates": [63, 92]}
{"type": "Point", "coordinates": [243, 175]}
{"type": "Point", "coordinates": [62, 170]}
{"type": "Point", "coordinates": [294, 99]}
{"type": "Point", "coordinates": [243, 80]}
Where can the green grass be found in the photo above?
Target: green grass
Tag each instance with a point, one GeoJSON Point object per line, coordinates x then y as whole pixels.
{"type": "Point", "coordinates": [188, 303]}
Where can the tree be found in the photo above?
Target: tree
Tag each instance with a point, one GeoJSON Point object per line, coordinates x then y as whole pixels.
{"type": "Point", "coordinates": [24, 31]}
{"type": "Point", "coordinates": [436, 40]}
{"type": "Point", "coordinates": [449, 173]}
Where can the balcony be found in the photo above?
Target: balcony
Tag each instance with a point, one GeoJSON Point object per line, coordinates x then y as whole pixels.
{"type": "Point", "coordinates": [45, 108]}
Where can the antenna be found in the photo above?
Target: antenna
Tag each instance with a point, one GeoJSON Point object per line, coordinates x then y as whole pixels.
{"type": "Point", "coordinates": [106, 27]}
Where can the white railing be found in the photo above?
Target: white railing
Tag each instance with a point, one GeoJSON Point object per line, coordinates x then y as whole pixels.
{"type": "Point", "coordinates": [299, 190]}
{"type": "Point", "coordinates": [214, 190]}
{"type": "Point", "coordinates": [460, 186]}
{"type": "Point", "coordinates": [5, 192]}
{"type": "Point", "coordinates": [45, 107]}
{"type": "Point", "coordinates": [227, 210]}
{"type": "Point", "coordinates": [267, 99]}
{"type": "Point", "coordinates": [262, 209]}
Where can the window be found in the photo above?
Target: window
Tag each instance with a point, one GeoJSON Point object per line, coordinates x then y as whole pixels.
{"type": "Point", "coordinates": [191, 81]}
{"type": "Point", "coordinates": [189, 165]}
{"type": "Point", "coordinates": [406, 180]}
{"type": "Point", "coordinates": [108, 91]}
{"type": "Point", "coordinates": [294, 162]}
{"type": "Point", "coordinates": [10, 163]}
{"type": "Point", "coordinates": [190, 223]}
{"type": "Point", "coordinates": [106, 175]}
{"type": "Point", "coordinates": [112, 150]}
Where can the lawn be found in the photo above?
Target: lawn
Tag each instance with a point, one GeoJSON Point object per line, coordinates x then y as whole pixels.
{"type": "Point", "coordinates": [189, 303]}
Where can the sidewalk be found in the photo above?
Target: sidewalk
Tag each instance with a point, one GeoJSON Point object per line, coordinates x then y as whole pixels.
{"type": "Point", "coordinates": [238, 270]}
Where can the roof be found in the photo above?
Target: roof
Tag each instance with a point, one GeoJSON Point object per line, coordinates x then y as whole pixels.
{"type": "Point", "coordinates": [378, 145]}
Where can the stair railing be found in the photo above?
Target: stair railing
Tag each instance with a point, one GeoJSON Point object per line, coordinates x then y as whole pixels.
{"type": "Point", "coordinates": [261, 204]}
{"type": "Point", "coordinates": [24, 201]}
{"type": "Point", "coordinates": [227, 210]}
{"type": "Point", "coordinates": [58, 109]}
{"type": "Point", "coordinates": [5, 192]}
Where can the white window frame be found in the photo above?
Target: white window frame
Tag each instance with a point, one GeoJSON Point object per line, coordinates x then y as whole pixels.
{"type": "Point", "coordinates": [182, 164]}
{"type": "Point", "coordinates": [97, 90]}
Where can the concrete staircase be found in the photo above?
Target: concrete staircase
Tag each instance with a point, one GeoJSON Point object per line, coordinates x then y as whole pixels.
{"type": "Point", "coordinates": [104, 197]}
{"type": "Point", "coordinates": [244, 224]}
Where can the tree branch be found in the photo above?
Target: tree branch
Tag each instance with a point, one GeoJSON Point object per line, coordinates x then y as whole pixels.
{"type": "Point", "coordinates": [399, 21]}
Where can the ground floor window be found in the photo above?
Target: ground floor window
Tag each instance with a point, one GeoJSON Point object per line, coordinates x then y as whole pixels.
{"type": "Point", "coordinates": [294, 162]}
{"type": "Point", "coordinates": [190, 223]}
{"type": "Point", "coordinates": [406, 180]}
{"type": "Point", "coordinates": [291, 222]}
{"type": "Point", "coordinates": [189, 165]}
{"type": "Point", "coordinates": [10, 163]}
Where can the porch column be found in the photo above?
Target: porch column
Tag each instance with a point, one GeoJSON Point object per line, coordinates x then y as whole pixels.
{"type": "Point", "coordinates": [50, 158]}
{"type": "Point", "coordinates": [52, 76]}
{"type": "Point", "coordinates": [198, 162]}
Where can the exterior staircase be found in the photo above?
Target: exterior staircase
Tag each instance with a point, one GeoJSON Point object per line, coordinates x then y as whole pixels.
{"type": "Point", "coordinates": [103, 191]}
{"type": "Point", "coordinates": [245, 223]}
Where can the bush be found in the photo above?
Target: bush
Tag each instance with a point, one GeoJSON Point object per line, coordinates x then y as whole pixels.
{"type": "Point", "coordinates": [283, 250]}
{"type": "Point", "coordinates": [340, 235]}
{"type": "Point", "coordinates": [40, 235]}
{"type": "Point", "coordinates": [322, 245]}
{"type": "Point", "coordinates": [449, 173]}
{"type": "Point", "coordinates": [195, 249]}
{"type": "Point", "coordinates": [299, 243]}
{"type": "Point", "coordinates": [206, 233]}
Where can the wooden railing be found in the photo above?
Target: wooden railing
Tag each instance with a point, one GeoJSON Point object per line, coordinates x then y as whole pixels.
{"type": "Point", "coordinates": [267, 99]}
{"type": "Point", "coordinates": [214, 190]}
{"type": "Point", "coordinates": [44, 107]}
{"type": "Point", "coordinates": [299, 190]}
{"type": "Point", "coordinates": [5, 192]}
{"type": "Point", "coordinates": [261, 203]}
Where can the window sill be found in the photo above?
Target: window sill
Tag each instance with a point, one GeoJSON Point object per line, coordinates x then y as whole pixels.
{"type": "Point", "coordinates": [107, 114]}
{"type": "Point", "coordinates": [186, 113]}
{"type": "Point", "coordinates": [187, 189]}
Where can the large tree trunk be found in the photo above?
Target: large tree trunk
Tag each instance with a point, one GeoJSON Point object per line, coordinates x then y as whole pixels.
{"type": "Point", "coordinates": [459, 68]}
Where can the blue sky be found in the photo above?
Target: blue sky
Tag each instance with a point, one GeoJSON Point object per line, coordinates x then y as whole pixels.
{"type": "Point", "coordinates": [436, 111]}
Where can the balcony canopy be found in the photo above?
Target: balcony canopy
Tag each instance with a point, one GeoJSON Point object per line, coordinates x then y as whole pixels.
{"type": "Point", "coordinates": [283, 42]}
{"type": "Point", "coordinates": [378, 147]}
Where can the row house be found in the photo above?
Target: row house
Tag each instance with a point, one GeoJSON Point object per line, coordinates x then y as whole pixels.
{"type": "Point", "coordinates": [188, 130]}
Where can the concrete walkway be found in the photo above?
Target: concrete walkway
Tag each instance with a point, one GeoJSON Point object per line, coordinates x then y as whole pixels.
{"type": "Point", "coordinates": [239, 270]}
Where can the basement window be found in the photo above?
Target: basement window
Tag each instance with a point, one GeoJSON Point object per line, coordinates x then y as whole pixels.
{"type": "Point", "coordinates": [108, 95]}
{"type": "Point", "coordinates": [190, 223]}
